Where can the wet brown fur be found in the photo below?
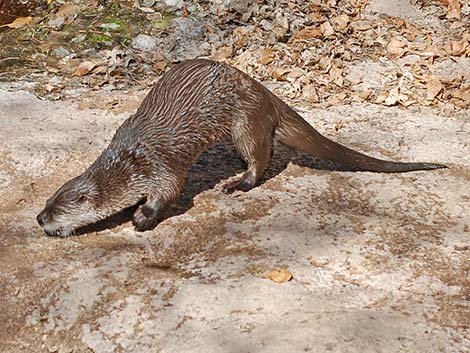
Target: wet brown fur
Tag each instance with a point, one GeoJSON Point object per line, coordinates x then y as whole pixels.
{"type": "Point", "coordinates": [194, 105]}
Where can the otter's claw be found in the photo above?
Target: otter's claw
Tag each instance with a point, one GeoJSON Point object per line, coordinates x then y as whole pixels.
{"type": "Point", "coordinates": [244, 183]}
{"type": "Point", "coordinates": [145, 218]}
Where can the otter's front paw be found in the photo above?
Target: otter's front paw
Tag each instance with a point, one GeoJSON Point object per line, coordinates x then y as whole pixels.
{"type": "Point", "coordinates": [145, 218]}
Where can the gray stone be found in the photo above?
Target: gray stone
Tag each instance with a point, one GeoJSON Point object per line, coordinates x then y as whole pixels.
{"type": "Point", "coordinates": [399, 8]}
{"type": "Point", "coordinates": [144, 42]}
{"type": "Point", "coordinates": [78, 39]}
{"type": "Point", "coordinates": [177, 4]}
{"type": "Point", "coordinates": [109, 26]}
{"type": "Point", "coordinates": [148, 3]}
{"type": "Point", "coordinates": [61, 52]}
{"type": "Point", "coordinates": [56, 21]}
{"type": "Point", "coordinates": [188, 27]}
{"type": "Point", "coordinates": [406, 10]}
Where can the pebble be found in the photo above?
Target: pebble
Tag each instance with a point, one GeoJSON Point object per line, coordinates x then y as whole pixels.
{"type": "Point", "coordinates": [56, 21]}
{"type": "Point", "coordinates": [176, 4]}
{"type": "Point", "coordinates": [148, 3]}
{"type": "Point", "coordinates": [61, 52]}
{"type": "Point", "coordinates": [144, 42]}
{"type": "Point", "coordinates": [109, 26]}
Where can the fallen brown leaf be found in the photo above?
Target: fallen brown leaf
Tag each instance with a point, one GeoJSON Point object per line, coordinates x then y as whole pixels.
{"type": "Point", "coordinates": [279, 276]}
{"type": "Point", "coordinates": [278, 73]}
{"type": "Point", "coordinates": [393, 97]}
{"type": "Point", "coordinates": [19, 22]}
{"type": "Point", "coordinates": [327, 29]}
{"type": "Point", "coordinates": [459, 48]}
{"type": "Point", "coordinates": [405, 100]}
{"type": "Point", "coordinates": [308, 33]}
{"type": "Point", "coordinates": [381, 97]}
{"type": "Point", "coordinates": [341, 22]}
{"type": "Point", "coordinates": [44, 47]}
{"type": "Point", "coordinates": [363, 94]}
{"type": "Point", "coordinates": [433, 87]}
{"type": "Point", "coordinates": [325, 63]}
{"type": "Point", "coordinates": [67, 10]}
{"type": "Point", "coordinates": [336, 76]}
{"type": "Point", "coordinates": [320, 262]}
{"type": "Point", "coordinates": [266, 56]}
{"type": "Point", "coordinates": [48, 87]}
{"type": "Point", "coordinates": [396, 47]}
{"type": "Point", "coordinates": [397, 22]}
{"type": "Point", "coordinates": [315, 14]}
{"type": "Point", "coordinates": [295, 73]}
{"type": "Point", "coordinates": [463, 94]}
{"type": "Point", "coordinates": [223, 53]}
{"type": "Point", "coordinates": [361, 25]}
{"type": "Point", "coordinates": [339, 98]}
{"type": "Point", "coordinates": [430, 51]}
{"type": "Point", "coordinates": [240, 37]}
{"type": "Point", "coordinates": [52, 69]}
{"type": "Point", "coordinates": [310, 94]}
{"type": "Point", "coordinates": [454, 10]}
{"type": "Point", "coordinates": [84, 68]}
{"type": "Point", "coordinates": [159, 67]}
{"type": "Point", "coordinates": [100, 68]}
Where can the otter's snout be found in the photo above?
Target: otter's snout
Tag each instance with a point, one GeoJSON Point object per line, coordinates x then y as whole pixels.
{"type": "Point", "coordinates": [41, 218]}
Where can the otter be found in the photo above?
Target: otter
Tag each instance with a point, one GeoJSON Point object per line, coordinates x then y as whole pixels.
{"type": "Point", "coordinates": [192, 106]}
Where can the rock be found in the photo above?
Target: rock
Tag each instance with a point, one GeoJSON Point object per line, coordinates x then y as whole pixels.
{"type": "Point", "coordinates": [189, 39]}
{"type": "Point", "coordinates": [61, 52]}
{"type": "Point", "coordinates": [212, 38]}
{"type": "Point", "coordinates": [110, 26]}
{"type": "Point", "coordinates": [267, 26]}
{"type": "Point", "coordinates": [148, 3]}
{"type": "Point", "coordinates": [405, 9]}
{"type": "Point", "coordinates": [188, 27]}
{"type": "Point", "coordinates": [144, 42]}
{"type": "Point", "coordinates": [398, 8]}
{"type": "Point", "coordinates": [175, 4]}
{"type": "Point", "coordinates": [78, 39]}
{"type": "Point", "coordinates": [56, 21]}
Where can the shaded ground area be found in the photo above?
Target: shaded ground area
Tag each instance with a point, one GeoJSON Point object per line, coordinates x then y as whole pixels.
{"type": "Point", "coordinates": [379, 261]}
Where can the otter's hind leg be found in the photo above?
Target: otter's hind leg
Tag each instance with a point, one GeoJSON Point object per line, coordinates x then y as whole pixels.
{"type": "Point", "coordinates": [255, 144]}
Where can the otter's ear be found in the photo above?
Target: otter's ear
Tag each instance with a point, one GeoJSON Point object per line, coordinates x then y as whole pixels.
{"type": "Point", "coordinates": [82, 198]}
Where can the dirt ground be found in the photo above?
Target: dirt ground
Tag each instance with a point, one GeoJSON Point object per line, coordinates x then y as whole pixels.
{"type": "Point", "coordinates": [380, 262]}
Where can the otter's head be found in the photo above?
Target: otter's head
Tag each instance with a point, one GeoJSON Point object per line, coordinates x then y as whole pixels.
{"type": "Point", "coordinates": [72, 206]}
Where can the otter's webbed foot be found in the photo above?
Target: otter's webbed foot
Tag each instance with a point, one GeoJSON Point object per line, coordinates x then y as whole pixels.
{"type": "Point", "coordinates": [145, 218]}
{"type": "Point", "coordinates": [244, 183]}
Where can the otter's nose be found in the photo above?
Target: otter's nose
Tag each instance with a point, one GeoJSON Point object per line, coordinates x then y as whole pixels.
{"type": "Point", "coordinates": [40, 219]}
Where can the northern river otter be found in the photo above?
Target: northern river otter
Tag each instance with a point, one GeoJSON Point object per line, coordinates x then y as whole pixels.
{"type": "Point", "coordinates": [192, 106]}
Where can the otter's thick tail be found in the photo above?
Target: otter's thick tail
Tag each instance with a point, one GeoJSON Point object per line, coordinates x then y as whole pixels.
{"type": "Point", "coordinates": [294, 131]}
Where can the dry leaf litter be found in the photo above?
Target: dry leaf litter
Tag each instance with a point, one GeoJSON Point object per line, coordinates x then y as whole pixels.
{"type": "Point", "coordinates": [315, 52]}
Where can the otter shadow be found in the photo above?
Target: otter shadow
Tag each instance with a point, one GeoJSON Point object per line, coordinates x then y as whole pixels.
{"type": "Point", "coordinates": [220, 162]}
{"type": "Point", "coordinates": [109, 223]}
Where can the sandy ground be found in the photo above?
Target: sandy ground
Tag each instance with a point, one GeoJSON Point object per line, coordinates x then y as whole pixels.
{"type": "Point", "coordinates": [379, 261]}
